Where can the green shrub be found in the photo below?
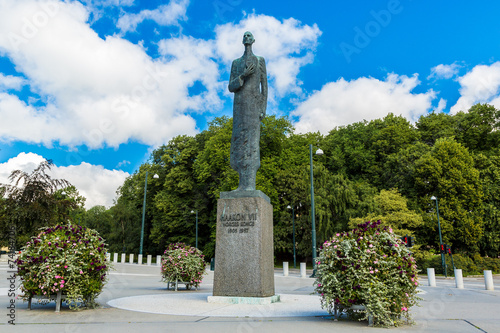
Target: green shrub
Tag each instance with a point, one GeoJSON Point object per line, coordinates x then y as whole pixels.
{"type": "Point", "coordinates": [67, 258]}
{"type": "Point", "coordinates": [469, 266]}
{"type": "Point", "coordinates": [368, 266]}
{"type": "Point", "coordinates": [182, 262]}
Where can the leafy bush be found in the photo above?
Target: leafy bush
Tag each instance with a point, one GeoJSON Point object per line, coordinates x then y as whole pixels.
{"type": "Point", "coordinates": [368, 266]}
{"type": "Point", "coordinates": [182, 262]}
{"type": "Point", "coordinates": [469, 266]}
{"type": "Point", "coordinates": [67, 258]}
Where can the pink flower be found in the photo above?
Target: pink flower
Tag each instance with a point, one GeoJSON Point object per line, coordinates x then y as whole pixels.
{"type": "Point", "coordinates": [416, 283]}
{"type": "Point", "coordinates": [81, 272]}
{"type": "Point", "coordinates": [404, 309]}
{"type": "Point", "coordinates": [371, 272]}
{"type": "Point", "coordinates": [66, 266]}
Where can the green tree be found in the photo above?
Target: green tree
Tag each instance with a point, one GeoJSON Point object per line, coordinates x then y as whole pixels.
{"type": "Point", "coordinates": [180, 193]}
{"type": "Point", "coordinates": [392, 210]}
{"type": "Point", "coordinates": [489, 168]}
{"type": "Point", "coordinates": [478, 128]}
{"type": "Point", "coordinates": [34, 200]}
{"type": "Point", "coordinates": [433, 126]}
{"type": "Point", "coordinates": [100, 219]}
{"type": "Point", "coordinates": [448, 173]}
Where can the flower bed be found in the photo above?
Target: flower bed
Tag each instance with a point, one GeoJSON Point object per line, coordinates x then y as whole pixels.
{"type": "Point", "coordinates": [182, 262]}
{"type": "Point", "coordinates": [66, 258]}
{"type": "Point", "coordinates": [368, 266]}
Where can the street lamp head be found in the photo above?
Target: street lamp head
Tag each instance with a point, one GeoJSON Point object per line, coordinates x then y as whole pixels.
{"type": "Point", "coordinates": [156, 176]}
{"type": "Point", "coordinates": [319, 152]}
{"type": "Point", "coordinates": [433, 198]}
{"type": "Point", "coordinates": [63, 193]}
{"type": "Point", "coordinates": [288, 207]}
{"type": "Point", "coordinates": [192, 212]}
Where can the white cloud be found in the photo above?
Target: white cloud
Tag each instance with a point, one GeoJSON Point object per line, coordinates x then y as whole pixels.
{"type": "Point", "coordinates": [164, 15]}
{"type": "Point", "coordinates": [345, 102]}
{"type": "Point", "coordinates": [97, 91]}
{"type": "Point", "coordinates": [109, 3]}
{"type": "Point", "coordinates": [10, 82]}
{"type": "Point", "coordinates": [110, 91]}
{"type": "Point", "coordinates": [96, 184]}
{"type": "Point", "coordinates": [480, 85]}
{"type": "Point", "coordinates": [122, 163]}
{"type": "Point", "coordinates": [286, 45]}
{"type": "Point", "coordinates": [444, 71]}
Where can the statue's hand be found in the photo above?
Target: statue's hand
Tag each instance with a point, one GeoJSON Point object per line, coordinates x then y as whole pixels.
{"type": "Point", "coordinates": [249, 70]}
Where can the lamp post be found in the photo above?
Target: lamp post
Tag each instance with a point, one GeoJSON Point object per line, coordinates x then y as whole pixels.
{"type": "Point", "coordinates": [144, 208]}
{"type": "Point", "coordinates": [443, 263]}
{"type": "Point", "coordinates": [313, 222]}
{"type": "Point", "coordinates": [196, 241]}
{"type": "Point", "coordinates": [293, 235]}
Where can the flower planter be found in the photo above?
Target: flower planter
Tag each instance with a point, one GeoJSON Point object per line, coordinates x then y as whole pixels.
{"type": "Point", "coordinates": [182, 264]}
{"type": "Point", "coordinates": [62, 263]}
{"type": "Point", "coordinates": [367, 268]}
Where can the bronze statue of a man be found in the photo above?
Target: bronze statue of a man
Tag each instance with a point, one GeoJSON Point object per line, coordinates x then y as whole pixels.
{"type": "Point", "coordinates": [248, 82]}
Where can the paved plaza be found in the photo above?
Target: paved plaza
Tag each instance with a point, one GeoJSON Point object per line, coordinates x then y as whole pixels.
{"type": "Point", "coordinates": [135, 300]}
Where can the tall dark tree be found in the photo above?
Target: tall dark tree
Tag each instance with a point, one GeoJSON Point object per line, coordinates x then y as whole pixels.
{"type": "Point", "coordinates": [34, 200]}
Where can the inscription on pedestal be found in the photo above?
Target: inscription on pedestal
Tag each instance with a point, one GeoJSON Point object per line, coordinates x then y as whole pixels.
{"type": "Point", "coordinates": [239, 223]}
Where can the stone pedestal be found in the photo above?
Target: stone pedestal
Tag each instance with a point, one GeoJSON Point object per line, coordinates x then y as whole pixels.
{"type": "Point", "coordinates": [244, 257]}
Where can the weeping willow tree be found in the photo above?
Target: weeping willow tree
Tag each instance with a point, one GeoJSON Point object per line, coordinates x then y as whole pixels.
{"type": "Point", "coordinates": [34, 200]}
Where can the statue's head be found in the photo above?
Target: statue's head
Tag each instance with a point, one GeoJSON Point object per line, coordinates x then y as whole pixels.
{"type": "Point", "coordinates": [248, 38]}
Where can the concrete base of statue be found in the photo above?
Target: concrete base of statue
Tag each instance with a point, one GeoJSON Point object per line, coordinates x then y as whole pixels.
{"type": "Point", "coordinates": [244, 257]}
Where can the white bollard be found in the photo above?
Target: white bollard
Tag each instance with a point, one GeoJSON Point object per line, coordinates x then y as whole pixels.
{"type": "Point", "coordinates": [459, 280]}
{"type": "Point", "coordinates": [139, 259]}
{"type": "Point", "coordinates": [303, 273]}
{"type": "Point", "coordinates": [108, 256]}
{"type": "Point", "coordinates": [123, 258]}
{"type": "Point", "coordinates": [431, 277]}
{"type": "Point", "coordinates": [115, 258]}
{"type": "Point", "coordinates": [158, 260]}
{"type": "Point", "coordinates": [131, 258]}
{"type": "Point", "coordinates": [285, 268]}
{"type": "Point", "coordinates": [149, 260]}
{"type": "Point", "coordinates": [488, 280]}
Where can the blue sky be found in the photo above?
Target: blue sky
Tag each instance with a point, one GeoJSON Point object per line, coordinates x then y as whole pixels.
{"type": "Point", "coordinates": [97, 85]}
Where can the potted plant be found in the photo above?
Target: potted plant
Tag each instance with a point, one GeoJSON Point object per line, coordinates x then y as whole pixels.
{"type": "Point", "coordinates": [182, 263]}
{"type": "Point", "coordinates": [68, 260]}
{"type": "Point", "coordinates": [368, 272]}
